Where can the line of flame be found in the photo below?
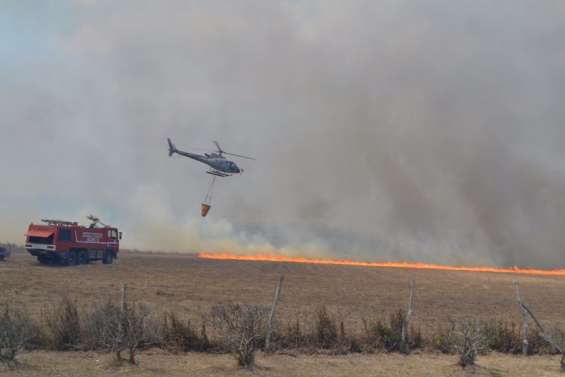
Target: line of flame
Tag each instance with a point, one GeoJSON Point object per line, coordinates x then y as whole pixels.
{"type": "Point", "coordinates": [405, 265]}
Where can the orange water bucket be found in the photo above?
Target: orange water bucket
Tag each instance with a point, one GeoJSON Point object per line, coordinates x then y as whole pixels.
{"type": "Point", "coordinates": [204, 209]}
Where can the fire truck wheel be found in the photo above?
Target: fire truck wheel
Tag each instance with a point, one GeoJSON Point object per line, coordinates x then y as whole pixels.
{"type": "Point", "coordinates": [84, 257]}
{"type": "Point", "coordinates": [108, 256]}
{"type": "Point", "coordinates": [43, 259]}
{"type": "Point", "coordinates": [64, 260]}
{"type": "Point", "coordinates": [75, 258]}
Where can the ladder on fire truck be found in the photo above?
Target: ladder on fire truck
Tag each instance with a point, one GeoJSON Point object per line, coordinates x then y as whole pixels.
{"type": "Point", "coordinates": [59, 222]}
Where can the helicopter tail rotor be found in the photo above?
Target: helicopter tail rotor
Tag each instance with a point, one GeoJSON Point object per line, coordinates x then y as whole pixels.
{"type": "Point", "coordinates": [172, 148]}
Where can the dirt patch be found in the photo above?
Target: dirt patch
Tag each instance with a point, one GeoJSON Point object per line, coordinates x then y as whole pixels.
{"type": "Point", "coordinates": [157, 363]}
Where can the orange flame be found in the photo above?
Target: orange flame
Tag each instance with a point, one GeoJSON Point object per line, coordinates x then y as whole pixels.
{"type": "Point", "coordinates": [406, 265]}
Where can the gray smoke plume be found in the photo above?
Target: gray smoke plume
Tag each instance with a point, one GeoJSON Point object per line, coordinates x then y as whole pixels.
{"type": "Point", "coordinates": [405, 130]}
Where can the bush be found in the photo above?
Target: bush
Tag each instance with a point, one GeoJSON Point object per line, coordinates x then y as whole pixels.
{"type": "Point", "coordinates": [290, 337]}
{"type": "Point", "coordinates": [347, 344]}
{"type": "Point", "coordinates": [98, 326]}
{"type": "Point", "coordinates": [497, 335]}
{"type": "Point", "coordinates": [446, 338]}
{"type": "Point", "coordinates": [324, 334]}
{"type": "Point", "coordinates": [294, 334]}
{"type": "Point", "coordinates": [388, 335]}
{"type": "Point", "coordinates": [326, 329]}
{"type": "Point", "coordinates": [16, 329]}
{"type": "Point", "coordinates": [116, 328]}
{"type": "Point", "coordinates": [126, 330]}
{"type": "Point", "coordinates": [469, 342]}
{"type": "Point", "coordinates": [416, 339]}
{"type": "Point", "coordinates": [241, 328]}
{"type": "Point", "coordinates": [63, 325]}
{"type": "Point", "coordinates": [501, 336]}
{"type": "Point", "coordinates": [537, 345]}
{"type": "Point", "coordinates": [180, 336]}
{"type": "Point", "coordinates": [391, 335]}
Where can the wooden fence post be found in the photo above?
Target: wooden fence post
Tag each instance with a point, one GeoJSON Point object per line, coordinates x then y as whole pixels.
{"type": "Point", "coordinates": [269, 329]}
{"type": "Point", "coordinates": [556, 344]}
{"type": "Point", "coordinates": [124, 297]}
{"type": "Point", "coordinates": [404, 347]}
{"type": "Point", "coordinates": [524, 321]}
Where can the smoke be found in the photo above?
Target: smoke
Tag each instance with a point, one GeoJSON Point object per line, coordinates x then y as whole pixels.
{"type": "Point", "coordinates": [154, 223]}
{"type": "Point", "coordinates": [426, 131]}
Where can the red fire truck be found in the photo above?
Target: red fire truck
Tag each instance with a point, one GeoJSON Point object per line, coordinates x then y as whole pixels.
{"type": "Point", "coordinates": [68, 243]}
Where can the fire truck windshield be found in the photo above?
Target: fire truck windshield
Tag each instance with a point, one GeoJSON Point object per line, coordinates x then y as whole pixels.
{"type": "Point", "coordinates": [41, 240]}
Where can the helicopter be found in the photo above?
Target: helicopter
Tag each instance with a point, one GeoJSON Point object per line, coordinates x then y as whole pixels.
{"type": "Point", "coordinates": [220, 166]}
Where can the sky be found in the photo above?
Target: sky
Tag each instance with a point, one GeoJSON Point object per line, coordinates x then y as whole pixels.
{"type": "Point", "coordinates": [426, 130]}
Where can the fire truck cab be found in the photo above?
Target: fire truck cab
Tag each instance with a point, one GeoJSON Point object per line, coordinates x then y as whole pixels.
{"type": "Point", "coordinates": [68, 243]}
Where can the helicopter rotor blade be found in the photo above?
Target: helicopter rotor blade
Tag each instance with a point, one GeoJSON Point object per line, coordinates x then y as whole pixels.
{"type": "Point", "coordinates": [238, 155]}
{"type": "Point", "coordinates": [221, 151]}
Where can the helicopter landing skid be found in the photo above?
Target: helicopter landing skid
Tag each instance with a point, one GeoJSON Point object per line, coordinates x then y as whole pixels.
{"type": "Point", "coordinates": [218, 173]}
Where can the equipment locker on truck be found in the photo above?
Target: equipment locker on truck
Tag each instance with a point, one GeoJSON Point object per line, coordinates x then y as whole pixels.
{"type": "Point", "coordinates": [68, 243]}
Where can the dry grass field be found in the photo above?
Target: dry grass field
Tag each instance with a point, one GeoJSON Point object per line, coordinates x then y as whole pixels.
{"type": "Point", "coordinates": [190, 286]}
